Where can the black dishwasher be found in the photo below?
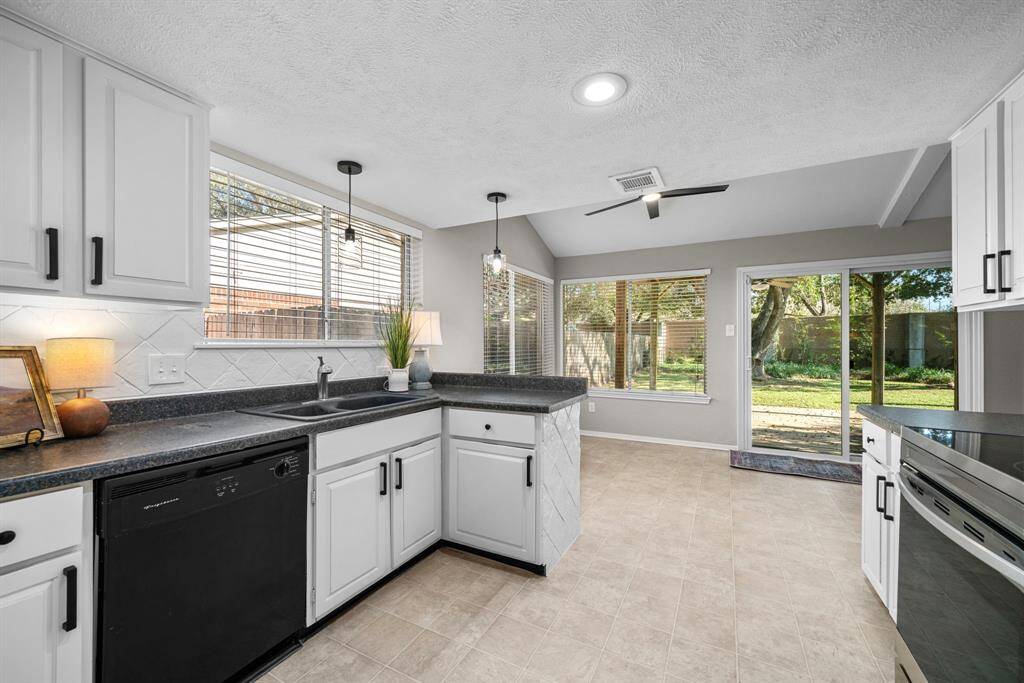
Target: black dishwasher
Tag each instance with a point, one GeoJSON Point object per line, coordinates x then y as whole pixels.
{"type": "Point", "coordinates": [202, 566]}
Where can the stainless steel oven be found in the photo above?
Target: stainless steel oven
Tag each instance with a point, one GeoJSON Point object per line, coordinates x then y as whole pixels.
{"type": "Point", "coordinates": [961, 558]}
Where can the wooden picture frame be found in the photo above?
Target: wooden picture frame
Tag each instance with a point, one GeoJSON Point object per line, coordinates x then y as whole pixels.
{"type": "Point", "coordinates": [27, 413]}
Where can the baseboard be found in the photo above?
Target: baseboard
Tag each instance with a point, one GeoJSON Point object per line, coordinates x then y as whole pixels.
{"type": "Point", "coordinates": [658, 439]}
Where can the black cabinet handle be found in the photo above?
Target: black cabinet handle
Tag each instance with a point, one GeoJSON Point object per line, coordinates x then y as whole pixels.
{"type": "Point", "coordinates": [383, 479]}
{"type": "Point", "coordinates": [97, 261]}
{"type": "Point", "coordinates": [999, 261]}
{"type": "Point", "coordinates": [6, 536]}
{"type": "Point", "coordinates": [984, 274]}
{"type": "Point", "coordinates": [487, 427]}
{"type": "Point", "coordinates": [870, 439]}
{"type": "Point", "coordinates": [885, 501]}
{"type": "Point", "coordinates": [879, 506]}
{"type": "Point", "coordinates": [71, 622]}
{"type": "Point", "coordinates": [53, 269]}
{"type": "Point", "coordinates": [529, 470]}
{"type": "Point", "coordinates": [398, 474]}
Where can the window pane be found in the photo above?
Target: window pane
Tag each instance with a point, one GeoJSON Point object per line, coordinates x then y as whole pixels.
{"type": "Point", "coordinates": [589, 323]}
{"type": "Point", "coordinates": [497, 308]}
{"type": "Point", "coordinates": [265, 263]}
{"type": "Point", "coordinates": [518, 324]}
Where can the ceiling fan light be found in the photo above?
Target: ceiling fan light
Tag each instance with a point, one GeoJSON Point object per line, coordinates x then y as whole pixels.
{"type": "Point", "coordinates": [651, 197]}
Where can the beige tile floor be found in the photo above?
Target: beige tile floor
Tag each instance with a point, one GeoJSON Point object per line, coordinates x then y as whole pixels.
{"type": "Point", "coordinates": [687, 570]}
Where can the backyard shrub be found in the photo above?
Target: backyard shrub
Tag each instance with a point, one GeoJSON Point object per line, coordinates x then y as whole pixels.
{"type": "Point", "coordinates": [788, 370]}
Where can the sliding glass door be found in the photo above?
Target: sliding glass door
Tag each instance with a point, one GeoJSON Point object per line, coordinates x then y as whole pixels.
{"type": "Point", "coordinates": [821, 342]}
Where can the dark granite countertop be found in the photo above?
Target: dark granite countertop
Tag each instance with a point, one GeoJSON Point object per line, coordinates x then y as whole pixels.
{"type": "Point", "coordinates": [139, 445]}
{"type": "Point", "coordinates": [894, 419]}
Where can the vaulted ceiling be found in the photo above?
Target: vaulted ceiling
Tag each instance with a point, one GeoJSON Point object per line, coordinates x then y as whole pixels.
{"type": "Point", "coordinates": [443, 101]}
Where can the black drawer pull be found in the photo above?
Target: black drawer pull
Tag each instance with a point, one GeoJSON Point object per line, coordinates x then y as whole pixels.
{"type": "Point", "coordinates": [97, 261]}
{"type": "Point", "coordinates": [487, 427]}
{"type": "Point", "coordinates": [398, 473]}
{"type": "Point", "coordinates": [870, 439]}
{"type": "Point", "coordinates": [53, 269]}
{"type": "Point", "coordinates": [71, 622]}
{"type": "Point", "coordinates": [7, 536]}
{"type": "Point", "coordinates": [529, 470]}
{"type": "Point", "coordinates": [383, 479]}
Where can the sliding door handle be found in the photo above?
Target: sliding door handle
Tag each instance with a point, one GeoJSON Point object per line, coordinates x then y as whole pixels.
{"type": "Point", "coordinates": [97, 261]}
{"type": "Point", "coordinates": [398, 474]}
{"type": "Point", "coordinates": [53, 253]}
{"type": "Point", "coordinates": [879, 504]}
{"type": "Point", "coordinates": [383, 479]}
{"type": "Point", "coordinates": [529, 470]}
{"type": "Point", "coordinates": [885, 501]}
{"type": "Point", "coordinates": [71, 611]}
{"type": "Point", "coordinates": [999, 270]}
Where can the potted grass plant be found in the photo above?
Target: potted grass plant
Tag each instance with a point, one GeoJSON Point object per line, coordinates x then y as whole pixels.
{"type": "Point", "coordinates": [396, 335]}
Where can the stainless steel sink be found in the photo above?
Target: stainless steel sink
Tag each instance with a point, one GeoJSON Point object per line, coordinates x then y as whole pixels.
{"type": "Point", "coordinates": [310, 411]}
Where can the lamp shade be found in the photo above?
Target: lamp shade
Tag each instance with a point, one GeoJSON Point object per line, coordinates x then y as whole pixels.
{"type": "Point", "coordinates": [79, 362]}
{"type": "Point", "coordinates": [427, 325]}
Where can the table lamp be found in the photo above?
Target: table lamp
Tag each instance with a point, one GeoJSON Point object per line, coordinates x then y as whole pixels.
{"type": "Point", "coordinates": [80, 363]}
{"type": "Point", "coordinates": [426, 326]}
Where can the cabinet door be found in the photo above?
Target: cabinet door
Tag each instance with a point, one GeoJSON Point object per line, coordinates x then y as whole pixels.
{"type": "Point", "coordinates": [353, 531]}
{"type": "Point", "coordinates": [1013, 188]}
{"type": "Point", "coordinates": [874, 542]}
{"type": "Point", "coordinates": [31, 199]}
{"type": "Point", "coordinates": [892, 508]}
{"type": "Point", "coordinates": [415, 499]}
{"type": "Point", "coordinates": [146, 190]}
{"type": "Point", "coordinates": [976, 229]}
{"type": "Point", "coordinates": [492, 498]}
{"type": "Point", "coordinates": [34, 614]}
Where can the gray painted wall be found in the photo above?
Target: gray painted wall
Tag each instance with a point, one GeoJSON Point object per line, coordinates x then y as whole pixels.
{"type": "Point", "coordinates": [716, 422]}
{"type": "Point", "coordinates": [1004, 362]}
{"type": "Point", "coordinates": [453, 283]}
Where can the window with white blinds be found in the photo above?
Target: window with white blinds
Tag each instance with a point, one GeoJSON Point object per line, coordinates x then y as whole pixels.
{"type": "Point", "coordinates": [641, 334]}
{"type": "Point", "coordinates": [280, 268]}
{"type": "Point", "coordinates": [519, 334]}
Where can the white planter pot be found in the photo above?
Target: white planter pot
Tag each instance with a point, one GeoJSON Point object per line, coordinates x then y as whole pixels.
{"type": "Point", "coordinates": [398, 380]}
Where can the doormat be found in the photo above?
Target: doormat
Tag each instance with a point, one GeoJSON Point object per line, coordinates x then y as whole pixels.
{"type": "Point", "coordinates": [845, 472]}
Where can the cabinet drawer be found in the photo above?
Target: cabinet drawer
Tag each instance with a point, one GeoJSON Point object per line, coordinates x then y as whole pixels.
{"type": "Point", "coordinates": [477, 424]}
{"type": "Point", "coordinates": [350, 444]}
{"type": "Point", "coordinates": [41, 525]}
{"type": "Point", "coordinates": [875, 442]}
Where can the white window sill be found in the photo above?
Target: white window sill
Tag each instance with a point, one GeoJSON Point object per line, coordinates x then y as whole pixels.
{"type": "Point", "coordinates": [284, 344]}
{"type": "Point", "coordinates": [640, 395]}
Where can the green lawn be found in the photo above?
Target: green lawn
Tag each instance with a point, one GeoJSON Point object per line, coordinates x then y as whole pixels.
{"type": "Point", "coordinates": [824, 394]}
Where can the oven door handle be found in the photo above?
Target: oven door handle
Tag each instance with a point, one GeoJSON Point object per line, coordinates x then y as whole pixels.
{"type": "Point", "coordinates": [1011, 572]}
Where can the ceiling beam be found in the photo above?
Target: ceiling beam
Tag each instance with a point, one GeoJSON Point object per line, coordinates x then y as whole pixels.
{"type": "Point", "coordinates": [922, 169]}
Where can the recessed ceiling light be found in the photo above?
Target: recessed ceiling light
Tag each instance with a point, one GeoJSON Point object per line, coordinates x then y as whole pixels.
{"type": "Point", "coordinates": [599, 89]}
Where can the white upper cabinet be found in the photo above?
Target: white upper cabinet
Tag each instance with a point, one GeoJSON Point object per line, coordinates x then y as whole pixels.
{"type": "Point", "coordinates": [31, 152]}
{"type": "Point", "coordinates": [146, 189]}
{"type": "Point", "coordinates": [1013, 177]}
{"type": "Point", "coordinates": [976, 229]}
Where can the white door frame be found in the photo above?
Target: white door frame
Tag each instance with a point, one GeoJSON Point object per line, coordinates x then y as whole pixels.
{"type": "Point", "coordinates": [970, 346]}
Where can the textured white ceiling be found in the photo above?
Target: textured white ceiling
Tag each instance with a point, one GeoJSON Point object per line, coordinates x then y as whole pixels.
{"type": "Point", "coordinates": [445, 100]}
{"type": "Point", "coordinates": [831, 196]}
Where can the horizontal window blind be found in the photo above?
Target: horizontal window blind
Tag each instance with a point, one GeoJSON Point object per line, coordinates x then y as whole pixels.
{"type": "Point", "coordinates": [643, 334]}
{"type": "Point", "coordinates": [518, 323]}
{"type": "Point", "coordinates": [280, 268]}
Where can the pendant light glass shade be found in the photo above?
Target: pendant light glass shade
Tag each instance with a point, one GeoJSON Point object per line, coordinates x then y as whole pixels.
{"type": "Point", "coordinates": [496, 260]}
{"type": "Point", "coordinates": [349, 245]}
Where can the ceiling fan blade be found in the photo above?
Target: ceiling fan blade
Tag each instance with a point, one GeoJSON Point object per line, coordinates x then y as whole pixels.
{"type": "Point", "coordinates": [687, 191]}
{"type": "Point", "coordinates": [614, 206]}
{"type": "Point", "coordinates": [652, 209]}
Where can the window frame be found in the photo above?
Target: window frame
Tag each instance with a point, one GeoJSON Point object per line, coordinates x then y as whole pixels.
{"type": "Point", "coordinates": [544, 280]}
{"type": "Point", "coordinates": [333, 203]}
{"type": "Point", "coordinates": [701, 398]}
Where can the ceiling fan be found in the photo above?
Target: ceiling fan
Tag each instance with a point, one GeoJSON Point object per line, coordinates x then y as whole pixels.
{"type": "Point", "coordinates": [651, 199]}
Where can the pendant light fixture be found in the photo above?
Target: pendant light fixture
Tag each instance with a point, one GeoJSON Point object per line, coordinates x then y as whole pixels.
{"type": "Point", "coordinates": [496, 259]}
{"type": "Point", "coordinates": [350, 168]}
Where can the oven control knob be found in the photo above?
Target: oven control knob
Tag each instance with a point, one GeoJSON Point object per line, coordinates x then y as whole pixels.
{"type": "Point", "coordinates": [281, 469]}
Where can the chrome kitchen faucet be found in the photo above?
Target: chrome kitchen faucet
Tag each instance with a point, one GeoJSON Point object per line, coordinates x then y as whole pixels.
{"type": "Point", "coordinates": [322, 372]}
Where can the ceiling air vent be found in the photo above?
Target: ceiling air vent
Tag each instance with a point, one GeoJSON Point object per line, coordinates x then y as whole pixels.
{"type": "Point", "coordinates": [637, 182]}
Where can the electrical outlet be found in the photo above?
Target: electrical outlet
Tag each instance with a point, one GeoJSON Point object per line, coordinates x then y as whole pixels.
{"type": "Point", "coordinates": [730, 330]}
{"type": "Point", "coordinates": [167, 368]}
{"type": "Point", "coordinates": [591, 407]}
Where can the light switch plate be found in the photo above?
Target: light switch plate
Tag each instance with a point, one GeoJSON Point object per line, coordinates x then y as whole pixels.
{"type": "Point", "coordinates": [167, 368]}
{"type": "Point", "coordinates": [591, 407]}
{"type": "Point", "coordinates": [730, 330]}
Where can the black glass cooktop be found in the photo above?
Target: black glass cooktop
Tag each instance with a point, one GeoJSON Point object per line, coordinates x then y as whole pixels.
{"type": "Point", "coordinates": [998, 451]}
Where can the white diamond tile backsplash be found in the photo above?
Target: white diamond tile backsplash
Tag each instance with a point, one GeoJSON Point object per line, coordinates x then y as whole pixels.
{"type": "Point", "coordinates": [139, 331]}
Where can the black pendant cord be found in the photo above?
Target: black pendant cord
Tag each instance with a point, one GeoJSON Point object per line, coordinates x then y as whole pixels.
{"type": "Point", "coordinates": [349, 202]}
{"type": "Point", "coordinates": [495, 226]}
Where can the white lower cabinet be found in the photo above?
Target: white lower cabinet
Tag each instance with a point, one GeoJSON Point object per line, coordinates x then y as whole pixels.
{"type": "Point", "coordinates": [415, 500]}
{"type": "Point", "coordinates": [874, 541]}
{"type": "Point", "coordinates": [492, 498]}
{"type": "Point", "coordinates": [352, 531]}
{"type": "Point", "coordinates": [41, 622]}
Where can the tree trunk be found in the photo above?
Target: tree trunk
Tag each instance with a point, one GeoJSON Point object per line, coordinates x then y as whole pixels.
{"type": "Point", "coordinates": [620, 334]}
{"type": "Point", "coordinates": [653, 332]}
{"type": "Point", "coordinates": [878, 339]}
{"type": "Point", "coordinates": [764, 327]}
